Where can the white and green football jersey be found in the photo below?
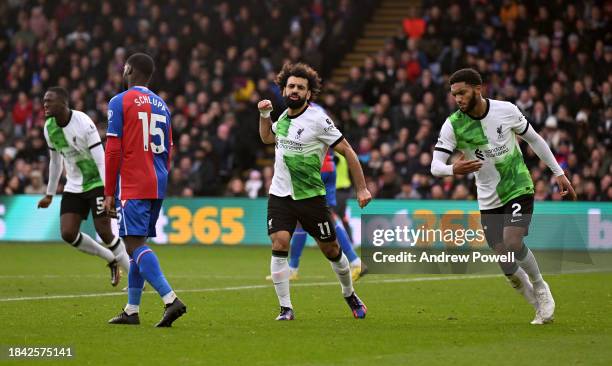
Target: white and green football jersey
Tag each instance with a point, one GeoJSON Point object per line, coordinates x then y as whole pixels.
{"type": "Point", "coordinates": [74, 142]}
{"type": "Point", "coordinates": [301, 144]}
{"type": "Point", "coordinates": [492, 139]}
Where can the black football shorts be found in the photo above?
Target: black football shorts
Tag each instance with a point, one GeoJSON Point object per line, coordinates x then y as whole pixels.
{"type": "Point", "coordinates": [516, 212]}
{"type": "Point", "coordinates": [313, 213]}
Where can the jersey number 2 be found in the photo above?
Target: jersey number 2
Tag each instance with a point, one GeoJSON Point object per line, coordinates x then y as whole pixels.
{"type": "Point", "coordinates": [151, 129]}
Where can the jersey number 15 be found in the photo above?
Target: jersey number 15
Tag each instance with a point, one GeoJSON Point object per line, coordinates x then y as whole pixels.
{"type": "Point", "coordinates": [151, 129]}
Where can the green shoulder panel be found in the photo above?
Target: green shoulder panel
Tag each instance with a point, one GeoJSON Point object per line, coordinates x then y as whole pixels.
{"type": "Point", "coordinates": [56, 134]}
{"type": "Point", "coordinates": [282, 126]}
{"type": "Point", "coordinates": [468, 131]}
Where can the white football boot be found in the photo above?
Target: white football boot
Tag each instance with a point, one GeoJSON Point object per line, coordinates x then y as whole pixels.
{"type": "Point", "coordinates": [546, 304]}
{"type": "Point", "coordinates": [520, 282]}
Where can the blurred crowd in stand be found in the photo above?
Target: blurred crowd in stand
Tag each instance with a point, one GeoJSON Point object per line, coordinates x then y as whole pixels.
{"type": "Point", "coordinates": [216, 59]}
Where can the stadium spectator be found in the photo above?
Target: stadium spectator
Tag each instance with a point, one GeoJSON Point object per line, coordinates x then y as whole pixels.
{"type": "Point", "coordinates": [36, 185]}
{"type": "Point", "coordinates": [215, 60]}
{"type": "Point", "coordinates": [254, 185]}
{"type": "Point", "coordinates": [22, 114]}
{"type": "Point", "coordinates": [235, 188]}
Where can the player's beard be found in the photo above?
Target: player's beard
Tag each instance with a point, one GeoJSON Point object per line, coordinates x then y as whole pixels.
{"type": "Point", "coordinates": [294, 103]}
{"type": "Point", "coordinates": [472, 104]}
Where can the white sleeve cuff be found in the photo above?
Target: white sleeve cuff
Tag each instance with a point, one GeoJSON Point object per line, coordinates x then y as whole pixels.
{"type": "Point", "coordinates": [439, 168]}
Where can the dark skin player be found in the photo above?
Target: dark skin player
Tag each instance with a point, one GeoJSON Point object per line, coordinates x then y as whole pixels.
{"type": "Point", "coordinates": [70, 223]}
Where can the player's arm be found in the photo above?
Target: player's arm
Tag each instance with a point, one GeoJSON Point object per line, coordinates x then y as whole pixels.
{"type": "Point", "coordinates": [113, 153]}
{"type": "Point", "coordinates": [95, 147]}
{"type": "Point", "coordinates": [540, 147]}
{"type": "Point", "coordinates": [113, 161]}
{"type": "Point", "coordinates": [97, 152]}
{"type": "Point", "coordinates": [363, 195]}
{"type": "Point", "coordinates": [265, 122]}
{"type": "Point", "coordinates": [444, 149]}
{"type": "Point", "coordinates": [332, 137]}
{"type": "Point", "coordinates": [55, 172]}
{"type": "Point", "coordinates": [439, 168]}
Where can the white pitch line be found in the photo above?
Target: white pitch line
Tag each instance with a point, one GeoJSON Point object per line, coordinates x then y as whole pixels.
{"type": "Point", "coordinates": [254, 287]}
{"type": "Point", "coordinates": [240, 288]}
{"type": "Point", "coordinates": [60, 276]}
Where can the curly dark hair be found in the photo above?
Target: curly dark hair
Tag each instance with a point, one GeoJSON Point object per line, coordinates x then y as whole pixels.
{"type": "Point", "coordinates": [469, 76]}
{"type": "Point", "coordinates": [300, 70]}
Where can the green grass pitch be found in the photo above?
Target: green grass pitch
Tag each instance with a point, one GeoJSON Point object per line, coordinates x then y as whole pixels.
{"type": "Point", "coordinates": [53, 295]}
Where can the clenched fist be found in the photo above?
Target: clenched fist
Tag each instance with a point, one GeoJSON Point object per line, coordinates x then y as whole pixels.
{"type": "Point", "coordinates": [45, 201]}
{"type": "Point", "coordinates": [265, 107]}
{"type": "Point", "coordinates": [363, 197]}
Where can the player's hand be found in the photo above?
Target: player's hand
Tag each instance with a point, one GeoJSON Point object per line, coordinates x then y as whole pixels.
{"type": "Point", "coordinates": [109, 207]}
{"type": "Point", "coordinates": [565, 187]}
{"type": "Point", "coordinates": [265, 107]}
{"type": "Point", "coordinates": [45, 201]}
{"type": "Point", "coordinates": [462, 166]}
{"type": "Point", "coordinates": [363, 197]}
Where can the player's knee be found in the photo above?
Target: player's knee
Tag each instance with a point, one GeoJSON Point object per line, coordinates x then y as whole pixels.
{"type": "Point", "coordinates": [280, 245]}
{"type": "Point", "coordinates": [498, 248]}
{"type": "Point", "coordinates": [513, 242]}
{"type": "Point", "coordinates": [69, 235]}
{"type": "Point", "coordinates": [104, 230]}
{"type": "Point", "coordinates": [106, 236]}
{"type": "Point", "coordinates": [330, 250]}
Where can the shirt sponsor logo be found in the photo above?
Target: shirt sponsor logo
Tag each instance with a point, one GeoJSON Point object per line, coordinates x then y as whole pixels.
{"type": "Point", "coordinates": [289, 145]}
{"type": "Point", "coordinates": [495, 152]}
{"type": "Point", "coordinates": [70, 153]}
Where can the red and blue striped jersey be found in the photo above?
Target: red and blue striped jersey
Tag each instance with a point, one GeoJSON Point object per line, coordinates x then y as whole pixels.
{"type": "Point", "coordinates": [141, 120]}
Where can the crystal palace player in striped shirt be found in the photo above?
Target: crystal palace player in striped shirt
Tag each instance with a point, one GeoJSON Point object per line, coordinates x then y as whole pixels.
{"type": "Point", "coordinates": [137, 162]}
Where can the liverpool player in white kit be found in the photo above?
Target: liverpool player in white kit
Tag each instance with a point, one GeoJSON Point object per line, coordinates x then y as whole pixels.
{"type": "Point", "coordinates": [73, 138]}
{"type": "Point", "coordinates": [303, 135]}
{"type": "Point", "coordinates": [485, 131]}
